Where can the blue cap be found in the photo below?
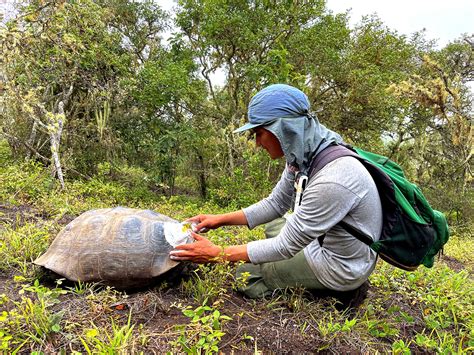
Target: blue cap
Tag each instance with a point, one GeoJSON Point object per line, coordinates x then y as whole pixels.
{"type": "Point", "coordinates": [274, 102]}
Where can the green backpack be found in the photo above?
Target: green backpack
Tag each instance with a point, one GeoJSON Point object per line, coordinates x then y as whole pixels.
{"type": "Point", "coordinates": [412, 233]}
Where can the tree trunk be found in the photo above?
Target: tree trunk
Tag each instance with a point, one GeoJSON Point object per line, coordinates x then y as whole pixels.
{"type": "Point", "coordinates": [202, 176]}
{"type": "Point", "coordinates": [55, 137]}
{"type": "Point", "coordinates": [229, 139]}
{"type": "Point", "coordinates": [32, 138]}
{"type": "Point", "coordinates": [57, 170]}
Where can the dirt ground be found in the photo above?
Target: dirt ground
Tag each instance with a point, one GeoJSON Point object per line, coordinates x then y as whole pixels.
{"type": "Point", "coordinates": [267, 326]}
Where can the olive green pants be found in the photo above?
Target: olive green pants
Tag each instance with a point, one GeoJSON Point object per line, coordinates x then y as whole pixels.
{"type": "Point", "coordinates": [263, 279]}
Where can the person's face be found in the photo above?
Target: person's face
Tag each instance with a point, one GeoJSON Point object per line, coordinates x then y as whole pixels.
{"type": "Point", "coordinates": [267, 140]}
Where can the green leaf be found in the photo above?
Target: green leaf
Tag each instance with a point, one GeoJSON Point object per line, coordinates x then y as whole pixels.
{"type": "Point", "coordinates": [188, 313]}
{"type": "Point", "coordinates": [92, 333]}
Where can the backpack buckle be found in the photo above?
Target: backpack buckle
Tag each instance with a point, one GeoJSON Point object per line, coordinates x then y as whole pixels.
{"type": "Point", "coordinates": [300, 184]}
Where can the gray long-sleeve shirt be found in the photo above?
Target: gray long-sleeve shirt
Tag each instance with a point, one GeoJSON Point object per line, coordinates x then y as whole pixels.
{"type": "Point", "coordinates": [342, 190]}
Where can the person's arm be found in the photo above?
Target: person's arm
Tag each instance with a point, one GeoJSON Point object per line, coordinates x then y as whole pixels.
{"type": "Point", "coordinates": [213, 221]}
{"type": "Point", "coordinates": [203, 251]}
{"type": "Point", "coordinates": [275, 205]}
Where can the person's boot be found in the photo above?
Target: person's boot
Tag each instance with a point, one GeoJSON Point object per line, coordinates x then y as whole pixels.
{"type": "Point", "coordinates": [352, 299]}
{"type": "Point", "coordinates": [347, 299]}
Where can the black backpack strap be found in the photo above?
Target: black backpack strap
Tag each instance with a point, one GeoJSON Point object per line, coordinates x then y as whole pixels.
{"type": "Point", "coordinates": [328, 155]}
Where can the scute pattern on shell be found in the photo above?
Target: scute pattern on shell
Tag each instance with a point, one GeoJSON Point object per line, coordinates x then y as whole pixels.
{"type": "Point", "coordinates": [119, 246]}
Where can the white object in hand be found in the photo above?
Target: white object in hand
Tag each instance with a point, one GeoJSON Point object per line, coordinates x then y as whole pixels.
{"type": "Point", "coordinates": [178, 233]}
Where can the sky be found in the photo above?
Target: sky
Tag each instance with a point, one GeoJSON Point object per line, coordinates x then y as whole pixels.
{"type": "Point", "coordinates": [443, 20]}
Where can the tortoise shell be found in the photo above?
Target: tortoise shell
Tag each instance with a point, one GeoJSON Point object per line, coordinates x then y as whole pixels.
{"type": "Point", "coordinates": [119, 246]}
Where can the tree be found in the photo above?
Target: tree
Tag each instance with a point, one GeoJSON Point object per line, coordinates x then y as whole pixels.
{"type": "Point", "coordinates": [440, 105]}
{"type": "Point", "coordinates": [450, 117]}
{"type": "Point", "coordinates": [247, 40]}
{"type": "Point", "coordinates": [349, 73]}
{"type": "Point", "coordinates": [58, 57]}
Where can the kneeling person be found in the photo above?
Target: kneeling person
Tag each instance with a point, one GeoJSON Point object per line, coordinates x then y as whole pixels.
{"type": "Point", "coordinates": [307, 248]}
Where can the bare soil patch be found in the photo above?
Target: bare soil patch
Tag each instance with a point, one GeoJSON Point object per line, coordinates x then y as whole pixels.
{"type": "Point", "coordinates": [453, 263]}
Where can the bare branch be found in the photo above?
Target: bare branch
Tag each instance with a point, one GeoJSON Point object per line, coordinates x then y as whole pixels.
{"type": "Point", "coordinates": [32, 138]}
{"type": "Point", "coordinates": [28, 146]}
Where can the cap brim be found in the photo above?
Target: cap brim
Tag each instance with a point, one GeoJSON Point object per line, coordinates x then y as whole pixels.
{"type": "Point", "coordinates": [246, 127]}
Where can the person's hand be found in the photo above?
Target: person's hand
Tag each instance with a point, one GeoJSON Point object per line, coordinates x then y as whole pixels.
{"type": "Point", "coordinates": [201, 251]}
{"type": "Point", "coordinates": [204, 222]}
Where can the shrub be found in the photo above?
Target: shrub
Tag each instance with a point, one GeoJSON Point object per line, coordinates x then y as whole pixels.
{"type": "Point", "coordinates": [249, 183]}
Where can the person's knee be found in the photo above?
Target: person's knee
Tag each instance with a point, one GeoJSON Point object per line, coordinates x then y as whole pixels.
{"type": "Point", "coordinates": [247, 269]}
{"type": "Point", "coordinates": [273, 228]}
{"type": "Point", "coordinates": [250, 281]}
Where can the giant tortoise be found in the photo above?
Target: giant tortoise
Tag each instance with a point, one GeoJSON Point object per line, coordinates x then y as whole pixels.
{"type": "Point", "coordinates": [119, 246]}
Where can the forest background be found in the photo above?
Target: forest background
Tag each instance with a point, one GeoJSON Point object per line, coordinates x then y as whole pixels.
{"type": "Point", "coordinates": [91, 88]}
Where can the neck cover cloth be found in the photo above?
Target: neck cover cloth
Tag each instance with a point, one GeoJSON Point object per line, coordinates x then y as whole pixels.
{"type": "Point", "coordinates": [284, 111]}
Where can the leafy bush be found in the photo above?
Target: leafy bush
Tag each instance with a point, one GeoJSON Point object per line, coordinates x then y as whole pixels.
{"type": "Point", "coordinates": [248, 184]}
{"type": "Point", "coordinates": [458, 205]}
{"type": "Point", "coordinates": [5, 153]}
{"type": "Point", "coordinates": [204, 332]}
{"type": "Point", "coordinates": [24, 181]}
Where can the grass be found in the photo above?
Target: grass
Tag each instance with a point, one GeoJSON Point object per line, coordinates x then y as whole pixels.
{"type": "Point", "coordinates": [429, 310]}
{"type": "Point", "coordinates": [21, 245]}
{"type": "Point", "coordinates": [31, 321]}
{"type": "Point", "coordinates": [461, 245]}
{"type": "Point", "coordinates": [120, 339]}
